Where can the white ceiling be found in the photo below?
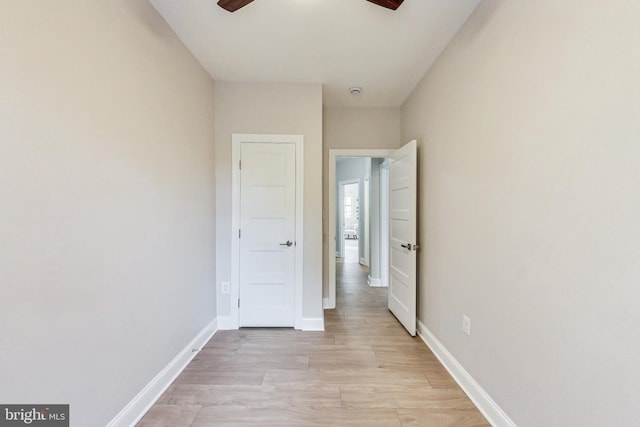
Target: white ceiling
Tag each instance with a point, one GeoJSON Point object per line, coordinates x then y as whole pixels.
{"type": "Point", "coordinates": [339, 43]}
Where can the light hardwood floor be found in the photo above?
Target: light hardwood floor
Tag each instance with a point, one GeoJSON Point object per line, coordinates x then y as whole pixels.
{"type": "Point", "coordinates": [364, 370]}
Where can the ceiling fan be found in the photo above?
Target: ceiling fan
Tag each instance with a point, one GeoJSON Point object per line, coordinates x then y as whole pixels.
{"type": "Point", "coordinates": [233, 5]}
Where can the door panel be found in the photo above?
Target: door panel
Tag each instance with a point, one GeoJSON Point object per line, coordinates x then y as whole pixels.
{"type": "Point", "coordinates": [402, 235]}
{"type": "Point", "coordinates": [267, 222]}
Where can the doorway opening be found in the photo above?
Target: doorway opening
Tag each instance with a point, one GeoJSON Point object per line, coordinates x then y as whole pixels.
{"type": "Point", "coordinates": [401, 230]}
{"type": "Point", "coordinates": [267, 238]}
{"type": "Point", "coordinates": [349, 219]}
{"type": "Point", "coordinates": [357, 220]}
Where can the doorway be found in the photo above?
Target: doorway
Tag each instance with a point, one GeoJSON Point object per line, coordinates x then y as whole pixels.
{"type": "Point", "coordinates": [267, 232]}
{"type": "Point", "coordinates": [349, 220]}
{"type": "Point", "coordinates": [401, 197]}
{"type": "Point", "coordinates": [371, 257]}
{"type": "Point", "coordinates": [268, 219]}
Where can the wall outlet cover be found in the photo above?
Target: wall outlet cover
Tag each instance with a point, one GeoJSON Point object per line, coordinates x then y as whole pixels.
{"type": "Point", "coordinates": [226, 287]}
{"type": "Point", "coordinates": [466, 325]}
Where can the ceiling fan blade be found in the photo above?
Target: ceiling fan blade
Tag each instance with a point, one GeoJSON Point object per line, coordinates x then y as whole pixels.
{"type": "Point", "coordinates": [233, 5]}
{"type": "Point", "coordinates": [389, 4]}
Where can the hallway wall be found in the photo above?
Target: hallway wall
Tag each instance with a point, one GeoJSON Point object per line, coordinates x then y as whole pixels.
{"type": "Point", "coordinates": [107, 206]}
{"type": "Point", "coordinates": [529, 146]}
{"type": "Point", "coordinates": [272, 108]}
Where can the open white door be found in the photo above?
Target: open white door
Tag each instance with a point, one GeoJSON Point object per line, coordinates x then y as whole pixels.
{"type": "Point", "coordinates": [267, 234]}
{"type": "Point", "coordinates": [403, 177]}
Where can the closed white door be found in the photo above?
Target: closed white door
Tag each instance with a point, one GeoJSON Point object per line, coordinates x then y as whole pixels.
{"type": "Point", "coordinates": [267, 234]}
{"type": "Point", "coordinates": [403, 176]}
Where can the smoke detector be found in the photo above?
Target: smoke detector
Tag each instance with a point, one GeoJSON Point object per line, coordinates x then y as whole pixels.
{"type": "Point", "coordinates": [355, 90]}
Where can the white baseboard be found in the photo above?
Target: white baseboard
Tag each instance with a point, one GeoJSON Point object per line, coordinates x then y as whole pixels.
{"type": "Point", "coordinates": [325, 303]}
{"type": "Point", "coordinates": [375, 282]}
{"type": "Point", "coordinates": [135, 410]}
{"type": "Point", "coordinates": [489, 408]}
{"type": "Point", "coordinates": [226, 324]}
{"type": "Point", "coordinates": [313, 324]}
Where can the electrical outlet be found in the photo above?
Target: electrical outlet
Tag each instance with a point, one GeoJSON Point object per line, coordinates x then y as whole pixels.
{"type": "Point", "coordinates": [466, 325]}
{"type": "Point", "coordinates": [226, 287]}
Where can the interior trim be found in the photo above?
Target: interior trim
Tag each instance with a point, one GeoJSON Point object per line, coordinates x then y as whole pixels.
{"type": "Point", "coordinates": [139, 405]}
{"type": "Point", "coordinates": [489, 408]}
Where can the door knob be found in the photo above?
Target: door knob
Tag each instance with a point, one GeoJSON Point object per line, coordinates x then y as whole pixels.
{"type": "Point", "coordinates": [411, 247]}
{"type": "Point", "coordinates": [289, 243]}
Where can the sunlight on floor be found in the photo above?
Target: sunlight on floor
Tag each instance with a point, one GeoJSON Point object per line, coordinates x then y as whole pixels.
{"type": "Point", "coordinates": [351, 250]}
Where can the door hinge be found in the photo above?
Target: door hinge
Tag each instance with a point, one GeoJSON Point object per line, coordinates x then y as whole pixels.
{"type": "Point", "coordinates": [239, 233]}
{"type": "Point", "coordinates": [240, 164]}
{"type": "Point", "coordinates": [238, 302]}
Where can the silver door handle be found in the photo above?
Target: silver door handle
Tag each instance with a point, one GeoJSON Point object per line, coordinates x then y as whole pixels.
{"type": "Point", "coordinates": [289, 243]}
{"type": "Point", "coordinates": [411, 247]}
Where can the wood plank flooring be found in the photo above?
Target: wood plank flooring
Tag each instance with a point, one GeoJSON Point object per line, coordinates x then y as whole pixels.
{"type": "Point", "coordinates": [364, 370]}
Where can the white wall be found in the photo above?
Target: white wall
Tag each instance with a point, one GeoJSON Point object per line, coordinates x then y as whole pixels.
{"type": "Point", "coordinates": [107, 206]}
{"type": "Point", "coordinates": [272, 109]}
{"type": "Point", "coordinates": [353, 128]}
{"type": "Point", "coordinates": [529, 138]}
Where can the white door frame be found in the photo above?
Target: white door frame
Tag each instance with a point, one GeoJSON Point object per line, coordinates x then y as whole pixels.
{"type": "Point", "coordinates": [236, 141]}
{"type": "Point", "coordinates": [330, 302]}
{"type": "Point", "coordinates": [364, 259]}
{"type": "Point", "coordinates": [384, 224]}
